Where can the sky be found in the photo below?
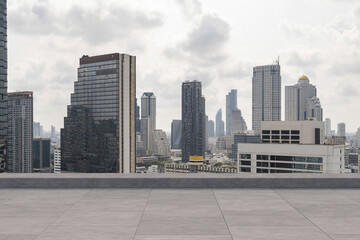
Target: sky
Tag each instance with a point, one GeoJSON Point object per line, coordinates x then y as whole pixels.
{"type": "Point", "coordinates": [215, 42]}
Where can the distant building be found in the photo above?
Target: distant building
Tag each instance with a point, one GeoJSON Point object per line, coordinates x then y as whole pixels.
{"type": "Point", "coordinates": [20, 132]}
{"type": "Point", "coordinates": [266, 95]}
{"type": "Point", "coordinates": [99, 131]}
{"type": "Point", "coordinates": [3, 84]}
{"type": "Point", "coordinates": [41, 154]}
{"type": "Point", "coordinates": [301, 102]}
{"type": "Point", "coordinates": [341, 130]}
{"type": "Point", "coordinates": [176, 134]}
{"type": "Point", "coordinates": [327, 127]}
{"type": "Point", "coordinates": [237, 122]}
{"type": "Point", "coordinates": [140, 150]}
{"type": "Point", "coordinates": [193, 120]}
{"type": "Point", "coordinates": [148, 120]}
{"type": "Point", "coordinates": [291, 158]}
{"type": "Point", "coordinates": [211, 128]}
{"type": "Point", "coordinates": [243, 138]}
{"type": "Point", "coordinates": [36, 129]}
{"type": "Point", "coordinates": [161, 146]}
{"type": "Point", "coordinates": [293, 132]}
{"type": "Point", "coordinates": [219, 124]}
{"type": "Point", "coordinates": [231, 104]}
{"type": "Point", "coordinates": [57, 160]}
{"type": "Point", "coordinates": [335, 140]}
{"type": "Point", "coordinates": [137, 117]}
{"type": "Point", "coordinates": [224, 143]}
{"type": "Point", "coordinates": [358, 138]}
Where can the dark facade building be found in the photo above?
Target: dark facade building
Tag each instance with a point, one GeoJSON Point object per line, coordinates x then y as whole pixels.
{"type": "Point", "coordinates": [176, 134]}
{"type": "Point", "coordinates": [193, 120]}
{"type": "Point", "coordinates": [3, 84]}
{"type": "Point", "coordinates": [99, 134]}
{"type": "Point", "coordinates": [20, 132]}
{"type": "Point", "coordinates": [137, 118]}
{"type": "Point", "coordinates": [41, 154]}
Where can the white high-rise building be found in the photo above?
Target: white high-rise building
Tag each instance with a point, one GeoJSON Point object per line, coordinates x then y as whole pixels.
{"type": "Point", "coordinates": [231, 104]}
{"type": "Point", "coordinates": [358, 138]}
{"type": "Point", "coordinates": [57, 160]}
{"type": "Point", "coordinates": [301, 102]}
{"type": "Point", "coordinates": [161, 146]}
{"type": "Point", "coordinates": [20, 132]}
{"type": "Point", "coordinates": [341, 130]}
{"type": "Point", "coordinates": [148, 120]}
{"type": "Point", "coordinates": [328, 127]}
{"type": "Point", "coordinates": [266, 94]}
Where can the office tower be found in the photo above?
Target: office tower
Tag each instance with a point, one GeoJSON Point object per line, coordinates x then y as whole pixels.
{"type": "Point", "coordinates": [20, 132]}
{"type": "Point", "coordinates": [41, 154]}
{"type": "Point", "coordinates": [328, 127]}
{"type": "Point", "coordinates": [266, 94]}
{"type": "Point", "coordinates": [137, 117]}
{"type": "Point", "coordinates": [193, 120]}
{"type": "Point", "coordinates": [237, 122]}
{"type": "Point", "coordinates": [36, 129]}
{"type": "Point", "coordinates": [161, 146]}
{"type": "Point", "coordinates": [148, 120]}
{"type": "Point", "coordinates": [3, 83]}
{"type": "Point", "coordinates": [176, 134]}
{"type": "Point", "coordinates": [57, 160]}
{"type": "Point", "coordinates": [53, 133]}
{"type": "Point", "coordinates": [358, 138]}
{"type": "Point", "coordinates": [231, 104]}
{"type": "Point", "coordinates": [341, 130]}
{"type": "Point", "coordinates": [206, 132]}
{"type": "Point", "coordinates": [99, 130]}
{"type": "Point", "coordinates": [140, 151]}
{"type": "Point", "coordinates": [211, 127]}
{"type": "Point", "coordinates": [301, 102]}
{"type": "Point", "coordinates": [219, 124]}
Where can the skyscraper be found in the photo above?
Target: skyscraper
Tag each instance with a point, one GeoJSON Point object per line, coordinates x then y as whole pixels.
{"type": "Point", "coordinates": [341, 132]}
{"type": "Point", "coordinates": [41, 154]}
{"type": "Point", "coordinates": [237, 122]}
{"type": "Point", "coordinates": [358, 138]}
{"type": "Point", "coordinates": [193, 120]}
{"type": "Point", "coordinates": [20, 132]}
{"type": "Point", "coordinates": [148, 120]}
{"type": "Point", "coordinates": [3, 83]}
{"type": "Point", "coordinates": [231, 104]}
{"type": "Point", "coordinates": [219, 124]}
{"type": "Point", "coordinates": [211, 128]}
{"type": "Point", "coordinates": [137, 117]}
{"type": "Point", "coordinates": [266, 94]}
{"type": "Point", "coordinates": [327, 127]}
{"type": "Point", "coordinates": [161, 146]}
{"type": "Point", "coordinates": [176, 134]}
{"type": "Point", "coordinates": [99, 130]}
{"type": "Point", "coordinates": [301, 102]}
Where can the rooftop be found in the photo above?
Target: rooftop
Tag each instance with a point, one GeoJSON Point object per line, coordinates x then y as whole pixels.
{"type": "Point", "coordinates": [52, 214]}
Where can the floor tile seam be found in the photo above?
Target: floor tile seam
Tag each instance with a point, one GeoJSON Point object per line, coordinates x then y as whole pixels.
{"type": "Point", "coordinates": [302, 214]}
{"type": "Point", "coordinates": [227, 226]}
{"type": "Point", "coordinates": [137, 227]}
{"type": "Point", "coordinates": [38, 235]}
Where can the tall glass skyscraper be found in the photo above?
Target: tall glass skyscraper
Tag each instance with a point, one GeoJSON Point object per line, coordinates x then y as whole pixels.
{"type": "Point", "coordinates": [99, 130]}
{"type": "Point", "coordinates": [193, 120]}
{"type": "Point", "coordinates": [148, 120]}
{"type": "Point", "coordinates": [266, 94]}
{"type": "Point", "coordinates": [231, 104]}
{"type": "Point", "coordinates": [3, 84]}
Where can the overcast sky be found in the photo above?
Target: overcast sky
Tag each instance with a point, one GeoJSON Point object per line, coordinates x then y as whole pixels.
{"type": "Point", "coordinates": [215, 42]}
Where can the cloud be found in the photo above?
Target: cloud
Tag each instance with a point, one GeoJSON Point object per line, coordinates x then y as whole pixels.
{"type": "Point", "coordinates": [94, 24]}
{"type": "Point", "coordinates": [190, 8]}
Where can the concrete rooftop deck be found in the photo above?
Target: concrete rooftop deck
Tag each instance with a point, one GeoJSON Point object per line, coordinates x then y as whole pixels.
{"type": "Point", "coordinates": [179, 214]}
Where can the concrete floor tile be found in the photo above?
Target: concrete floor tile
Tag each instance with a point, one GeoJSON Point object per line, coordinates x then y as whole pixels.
{"type": "Point", "coordinates": [110, 204]}
{"type": "Point", "coordinates": [346, 237]}
{"type": "Point", "coordinates": [328, 210]}
{"type": "Point", "coordinates": [277, 233]}
{"type": "Point", "coordinates": [83, 218]}
{"type": "Point", "coordinates": [337, 225]}
{"type": "Point", "coordinates": [312, 196]}
{"type": "Point", "coordinates": [264, 204]}
{"type": "Point", "coordinates": [265, 218]}
{"type": "Point", "coordinates": [24, 226]}
{"type": "Point", "coordinates": [117, 194]}
{"type": "Point", "coordinates": [17, 237]}
{"type": "Point", "coordinates": [183, 237]}
{"type": "Point", "coordinates": [182, 226]}
{"type": "Point", "coordinates": [87, 232]}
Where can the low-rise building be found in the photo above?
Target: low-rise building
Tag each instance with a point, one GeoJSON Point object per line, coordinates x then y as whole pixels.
{"type": "Point", "coordinates": [290, 158]}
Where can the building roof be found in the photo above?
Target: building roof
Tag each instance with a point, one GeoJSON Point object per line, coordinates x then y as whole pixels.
{"type": "Point", "coordinates": [303, 77]}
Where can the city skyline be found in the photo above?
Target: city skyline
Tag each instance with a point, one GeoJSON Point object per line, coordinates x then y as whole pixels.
{"type": "Point", "coordinates": [162, 68]}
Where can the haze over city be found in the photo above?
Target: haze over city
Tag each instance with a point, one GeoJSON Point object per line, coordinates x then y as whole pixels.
{"type": "Point", "coordinates": [214, 42]}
